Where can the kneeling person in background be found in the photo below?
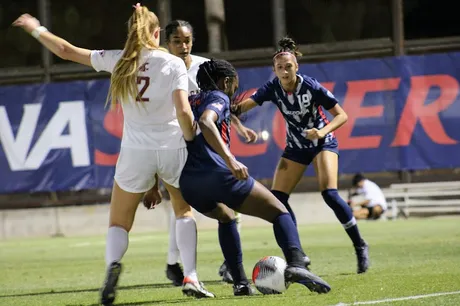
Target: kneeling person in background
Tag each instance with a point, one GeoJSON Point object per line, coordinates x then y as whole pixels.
{"type": "Point", "coordinates": [374, 204]}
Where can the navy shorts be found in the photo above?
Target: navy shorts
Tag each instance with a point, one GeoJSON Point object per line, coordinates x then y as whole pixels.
{"type": "Point", "coordinates": [306, 156]}
{"type": "Point", "coordinates": [203, 190]}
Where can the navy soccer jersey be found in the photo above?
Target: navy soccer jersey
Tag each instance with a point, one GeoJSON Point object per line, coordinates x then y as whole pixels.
{"type": "Point", "coordinates": [201, 155]}
{"type": "Point", "coordinates": [302, 109]}
{"type": "Point", "coordinates": [206, 179]}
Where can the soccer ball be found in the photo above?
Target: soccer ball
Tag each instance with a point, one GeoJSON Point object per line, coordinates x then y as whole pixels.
{"type": "Point", "coordinates": [268, 275]}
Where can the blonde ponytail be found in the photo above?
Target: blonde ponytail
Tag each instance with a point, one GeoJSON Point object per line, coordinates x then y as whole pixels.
{"type": "Point", "coordinates": [123, 82]}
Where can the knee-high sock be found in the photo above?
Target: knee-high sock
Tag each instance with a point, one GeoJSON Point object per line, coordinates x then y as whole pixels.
{"type": "Point", "coordinates": [173, 250]}
{"type": "Point", "coordinates": [344, 214]}
{"type": "Point", "coordinates": [116, 244]}
{"type": "Point", "coordinates": [187, 242]}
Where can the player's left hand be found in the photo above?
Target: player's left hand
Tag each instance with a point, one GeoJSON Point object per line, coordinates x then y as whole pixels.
{"type": "Point", "coordinates": [27, 22]}
{"type": "Point", "coordinates": [152, 198]}
{"type": "Point", "coordinates": [313, 134]}
{"type": "Point", "coordinates": [250, 135]}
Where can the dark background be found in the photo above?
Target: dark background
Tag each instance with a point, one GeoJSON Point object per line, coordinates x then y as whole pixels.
{"type": "Point", "coordinates": [101, 24]}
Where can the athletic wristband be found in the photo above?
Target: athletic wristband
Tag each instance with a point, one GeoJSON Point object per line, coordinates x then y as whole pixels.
{"type": "Point", "coordinates": [36, 33]}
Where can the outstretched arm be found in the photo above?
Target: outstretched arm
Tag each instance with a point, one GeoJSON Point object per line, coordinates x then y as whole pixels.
{"type": "Point", "coordinates": [244, 106]}
{"type": "Point", "coordinates": [55, 44]}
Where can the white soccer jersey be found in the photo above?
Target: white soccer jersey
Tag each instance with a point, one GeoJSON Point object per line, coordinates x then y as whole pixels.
{"type": "Point", "coordinates": [192, 72]}
{"type": "Point", "coordinates": [150, 123]}
{"type": "Point", "coordinates": [373, 193]}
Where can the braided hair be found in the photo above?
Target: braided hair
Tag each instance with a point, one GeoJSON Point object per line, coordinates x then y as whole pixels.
{"type": "Point", "coordinates": [210, 72]}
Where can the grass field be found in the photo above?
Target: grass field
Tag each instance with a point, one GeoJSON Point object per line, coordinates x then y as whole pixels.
{"type": "Point", "coordinates": [409, 258]}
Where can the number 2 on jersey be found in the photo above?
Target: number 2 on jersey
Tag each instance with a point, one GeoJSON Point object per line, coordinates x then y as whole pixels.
{"type": "Point", "coordinates": [145, 82]}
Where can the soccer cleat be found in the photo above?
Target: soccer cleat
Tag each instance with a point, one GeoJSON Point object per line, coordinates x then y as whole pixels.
{"type": "Point", "coordinates": [362, 253]}
{"type": "Point", "coordinates": [174, 274]}
{"type": "Point", "coordinates": [224, 272]}
{"type": "Point", "coordinates": [110, 283]}
{"type": "Point", "coordinates": [243, 289]}
{"type": "Point", "coordinates": [302, 276]}
{"type": "Point", "coordinates": [195, 289]}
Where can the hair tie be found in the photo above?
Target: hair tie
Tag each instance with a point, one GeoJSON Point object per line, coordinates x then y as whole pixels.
{"type": "Point", "coordinates": [285, 53]}
{"type": "Point", "coordinates": [137, 6]}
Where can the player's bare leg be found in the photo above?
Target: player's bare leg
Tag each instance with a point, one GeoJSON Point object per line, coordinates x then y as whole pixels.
{"type": "Point", "coordinates": [123, 207]}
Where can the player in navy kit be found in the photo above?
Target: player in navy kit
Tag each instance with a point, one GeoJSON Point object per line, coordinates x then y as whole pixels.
{"type": "Point", "coordinates": [180, 39]}
{"type": "Point", "coordinates": [310, 137]}
{"type": "Point", "coordinates": [213, 176]}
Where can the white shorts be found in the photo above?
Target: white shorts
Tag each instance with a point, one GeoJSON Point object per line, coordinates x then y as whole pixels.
{"type": "Point", "coordinates": [136, 168]}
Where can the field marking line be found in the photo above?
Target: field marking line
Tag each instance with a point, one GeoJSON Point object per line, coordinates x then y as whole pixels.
{"type": "Point", "coordinates": [413, 297]}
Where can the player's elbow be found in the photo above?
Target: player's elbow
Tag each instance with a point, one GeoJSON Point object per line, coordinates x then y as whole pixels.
{"type": "Point", "coordinates": [184, 113]}
{"type": "Point", "coordinates": [344, 117]}
{"type": "Point", "coordinates": [205, 123]}
{"type": "Point", "coordinates": [65, 52]}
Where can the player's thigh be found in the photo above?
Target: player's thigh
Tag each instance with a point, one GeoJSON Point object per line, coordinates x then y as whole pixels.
{"type": "Point", "coordinates": [326, 167]}
{"type": "Point", "coordinates": [221, 213]}
{"type": "Point", "coordinates": [261, 203]}
{"type": "Point", "coordinates": [287, 175]}
{"type": "Point", "coordinates": [198, 189]}
{"type": "Point", "coordinates": [134, 175]}
{"type": "Point", "coordinates": [123, 206]}
{"type": "Point", "coordinates": [170, 165]}
{"type": "Point", "coordinates": [135, 170]}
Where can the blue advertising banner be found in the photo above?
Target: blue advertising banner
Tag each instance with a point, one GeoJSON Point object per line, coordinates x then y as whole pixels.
{"type": "Point", "coordinates": [403, 113]}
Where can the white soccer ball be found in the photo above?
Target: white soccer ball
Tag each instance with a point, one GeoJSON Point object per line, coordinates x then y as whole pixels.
{"type": "Point", "coordinates": [268, 275]}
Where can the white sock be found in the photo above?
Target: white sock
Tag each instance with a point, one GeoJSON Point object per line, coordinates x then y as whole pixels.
{"type": "Point", "coordinates": [186, 241]}
{"type": "Point", "coordinates": [116, 244]}
{"type": "Point", "coordinates": [173, 250]}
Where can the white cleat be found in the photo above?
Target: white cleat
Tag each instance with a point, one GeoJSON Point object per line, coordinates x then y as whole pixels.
{"type": "Point", "coordinates": [195, 289]}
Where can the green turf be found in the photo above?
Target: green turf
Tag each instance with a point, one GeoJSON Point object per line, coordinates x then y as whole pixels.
{"type": "Point", "coordinates": [409, 258]}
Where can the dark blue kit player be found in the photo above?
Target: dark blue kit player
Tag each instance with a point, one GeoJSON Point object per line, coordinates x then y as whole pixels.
{"type": "Point", "coordinates": [212, 176]}
{"type": "Point", "coordinates": [302, 101]}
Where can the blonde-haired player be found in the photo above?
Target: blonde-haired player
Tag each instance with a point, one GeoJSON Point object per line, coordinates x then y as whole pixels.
{"type": "Point", "coordinates": [152, 87]}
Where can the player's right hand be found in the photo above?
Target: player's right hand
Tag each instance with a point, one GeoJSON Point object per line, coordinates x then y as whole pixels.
{"type": "Point", "coordinates": [238, 170]}
{"type": "Point", "coordinates": [152, 198]}
{"type": "Point", "coordinates": [27, 22]}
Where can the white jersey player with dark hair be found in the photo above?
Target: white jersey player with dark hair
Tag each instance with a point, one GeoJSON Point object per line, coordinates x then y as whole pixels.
{"type": "Point", "coordinates": [152, 87]}
{"type": "Point", "coordinates": [179, 39]}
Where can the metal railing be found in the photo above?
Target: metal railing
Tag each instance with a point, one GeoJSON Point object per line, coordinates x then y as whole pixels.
{"type": "Point", "coordinates": [250, 58]}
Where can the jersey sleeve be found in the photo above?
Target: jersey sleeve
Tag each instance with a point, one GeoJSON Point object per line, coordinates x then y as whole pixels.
{"type": "Point", "coordinates": [263, 94]}
{"type": "Point", "coordinates": [179, 75]}
{"type": "Point", "coordinates": [324, 97]}
{"type": "Point", "coordinates": [103, 60]}
{"type": "Point", "coordinates": [218, 104]}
